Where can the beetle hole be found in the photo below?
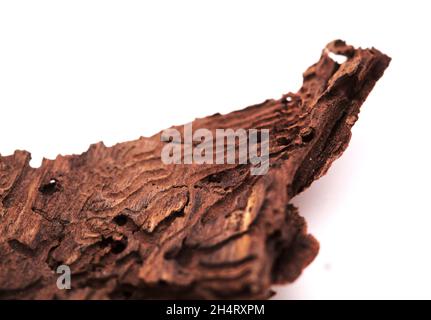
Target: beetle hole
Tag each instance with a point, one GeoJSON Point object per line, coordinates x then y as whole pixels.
{"type": "Point", "coordinates": [120, 220]}
{"type": "Point", "coordinates": [283, 141]}
{"type": "Point", "coordinates": [338, 58]}
{"type": "Point", "coordinates": [118, 246]}
{"type": "Point", "coordinates": [308, 135]}
{"type": "Point", "coordinates": [215, 178]}
{"type": "Point", "coordinates": [50, 188]}
{"type": "Point", "coordinates": [287, 98]}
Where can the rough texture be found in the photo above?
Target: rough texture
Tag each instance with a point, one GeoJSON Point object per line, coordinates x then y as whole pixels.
{"type": "Point", "coordinates": [131, 227]}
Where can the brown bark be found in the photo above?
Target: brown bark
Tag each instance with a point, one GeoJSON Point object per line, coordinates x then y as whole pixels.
{"type": "Point", "coordinates": [131, 227]}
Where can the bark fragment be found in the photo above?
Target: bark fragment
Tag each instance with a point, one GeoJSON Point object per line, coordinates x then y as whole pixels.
{"type": "Point", "coordinates": [131, 227]}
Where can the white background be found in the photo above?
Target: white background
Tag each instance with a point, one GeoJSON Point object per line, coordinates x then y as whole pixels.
{"type": "Point", "coordinates": [77, 72]}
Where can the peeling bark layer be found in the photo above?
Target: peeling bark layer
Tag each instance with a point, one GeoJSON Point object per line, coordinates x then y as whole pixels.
{"type": "Point", "coordinates": [130, 226]}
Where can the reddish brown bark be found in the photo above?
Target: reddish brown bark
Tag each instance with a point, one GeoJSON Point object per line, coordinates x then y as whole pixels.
{"type": "Point", "coordinates": [130, 226]}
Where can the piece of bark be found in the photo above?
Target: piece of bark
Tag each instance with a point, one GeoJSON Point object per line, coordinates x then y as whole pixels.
{"type": "Point", "coordinates": [130, 226]}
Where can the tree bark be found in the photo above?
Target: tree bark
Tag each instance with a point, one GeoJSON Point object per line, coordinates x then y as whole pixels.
{"type": "Point", "coordinates": [130, 226]}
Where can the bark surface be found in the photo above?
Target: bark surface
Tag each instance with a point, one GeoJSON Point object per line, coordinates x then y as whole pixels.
{"type": "Point", "coordinates": [130, 226]}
